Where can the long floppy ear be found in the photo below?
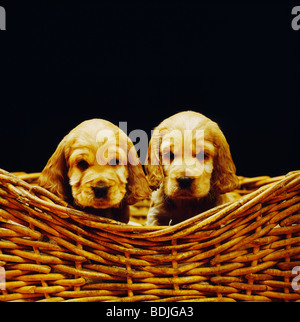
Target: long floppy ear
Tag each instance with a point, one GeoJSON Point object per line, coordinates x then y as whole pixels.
{"type": "Point", "coordinates": [54, 176]}
{"type": "Point", "coordinates": [153, 164]}
{"type": "Point", "coordinates": [224, 178]}
{"type": "Point", "coordinates": [137, 185]}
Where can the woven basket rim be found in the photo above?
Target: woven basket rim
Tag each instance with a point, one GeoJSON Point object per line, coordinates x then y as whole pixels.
{"type": "Point", "coordinates": [265, 186]}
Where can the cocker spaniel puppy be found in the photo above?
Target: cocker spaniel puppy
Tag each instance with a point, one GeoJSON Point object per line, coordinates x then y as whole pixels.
{"type": "Point", "coordinates": [96, 169]}
{"type": "Point", "coordinates": [190, 163]}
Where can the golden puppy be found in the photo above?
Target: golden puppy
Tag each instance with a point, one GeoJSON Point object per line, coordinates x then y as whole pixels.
{"type": "Point", "coordinates": [96, 168]}
{"type": "Point", "coordinates": [190, 164]}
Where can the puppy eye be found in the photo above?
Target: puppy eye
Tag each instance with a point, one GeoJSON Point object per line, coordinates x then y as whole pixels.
{"type": "Point", "coordinates": [172, 156]}
{"type": "Point", "coordinates": [168, 156]}
{"type": "Point", "coordinates": [114, 161]}
{"type": "Point", "coordinates": [82, 165]}
{"type": "Point", "coordinates": [202, 156]}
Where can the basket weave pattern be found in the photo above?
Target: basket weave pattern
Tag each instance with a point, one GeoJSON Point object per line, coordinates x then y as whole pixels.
{"type": "Point", "coordinates": [242, 251]}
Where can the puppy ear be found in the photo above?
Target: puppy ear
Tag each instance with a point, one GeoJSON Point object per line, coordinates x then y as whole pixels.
{"type": "Point", "coordinates": [224, 178]}
{"type": "Point", "coordinates": [54, 176]}
{"type": "Point", "coordinates": [137, 185]}
{"type": "Point", "coordinates": [153, 165]}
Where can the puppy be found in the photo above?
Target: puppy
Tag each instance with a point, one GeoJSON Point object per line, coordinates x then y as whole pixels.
{"type": "Point", "coordinates": [190, 163]}
{"type": "Point", "coordinates": [96, 169]}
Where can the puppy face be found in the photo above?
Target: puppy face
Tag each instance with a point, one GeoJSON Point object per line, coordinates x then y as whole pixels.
{"type": "Point", "coordinates": [189, 154]}
{"type": "Point", "coordinates": [187, 162]}
{"type": "Point", "coordinates": [98, 185]}
{"type": "Point", "coordinates": [96, 166]}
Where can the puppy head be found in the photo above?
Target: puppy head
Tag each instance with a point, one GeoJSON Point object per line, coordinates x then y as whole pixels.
{"type": "Point", "coordinates": [95, 165]}
{"type": "Point", "coordinates": [190, 155]}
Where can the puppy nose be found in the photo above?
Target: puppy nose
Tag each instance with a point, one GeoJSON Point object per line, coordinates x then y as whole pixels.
{"type": "Point", "coordinates": [100, 191]}
{"type": "Point", "coordinates": [185, 182]}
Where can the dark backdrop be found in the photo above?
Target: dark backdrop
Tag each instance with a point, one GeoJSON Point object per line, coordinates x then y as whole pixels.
{"type": "Point", "coordinates": [65, 62]}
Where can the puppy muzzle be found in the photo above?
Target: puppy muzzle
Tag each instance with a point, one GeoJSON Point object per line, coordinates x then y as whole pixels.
{"type": "Point", "coordinates": [100, 191]}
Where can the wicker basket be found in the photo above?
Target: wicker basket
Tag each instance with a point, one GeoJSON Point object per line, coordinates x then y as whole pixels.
{"type": "Point", "coordinates": [242, 251]}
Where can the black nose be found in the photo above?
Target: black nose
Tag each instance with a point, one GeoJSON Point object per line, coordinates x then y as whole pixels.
{"type": "Point", "coordinates": [185, 182]}
{"type": "Point", "coordinates": [100, 191]}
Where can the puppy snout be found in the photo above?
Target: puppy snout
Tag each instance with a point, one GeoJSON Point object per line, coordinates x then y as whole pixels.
{"type": "Point", "coordinates": [185, 182]}
{"type": "Point", "coordinates": [100, 191]}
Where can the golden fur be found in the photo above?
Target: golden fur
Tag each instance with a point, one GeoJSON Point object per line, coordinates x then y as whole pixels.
{"type": "Point", "coordinates": [190, 163]}
{"type": "Point", "coordinates": [96, 168]}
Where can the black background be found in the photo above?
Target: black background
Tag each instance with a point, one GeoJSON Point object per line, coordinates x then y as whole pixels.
{"type": "Point", "coordinates": [65, 62]}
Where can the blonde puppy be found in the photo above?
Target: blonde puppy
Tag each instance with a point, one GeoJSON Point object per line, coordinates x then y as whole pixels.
{"type": "Point", "coordinates": [96, 168]}
{"type": "Point", "coordinates": [190, 163]}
